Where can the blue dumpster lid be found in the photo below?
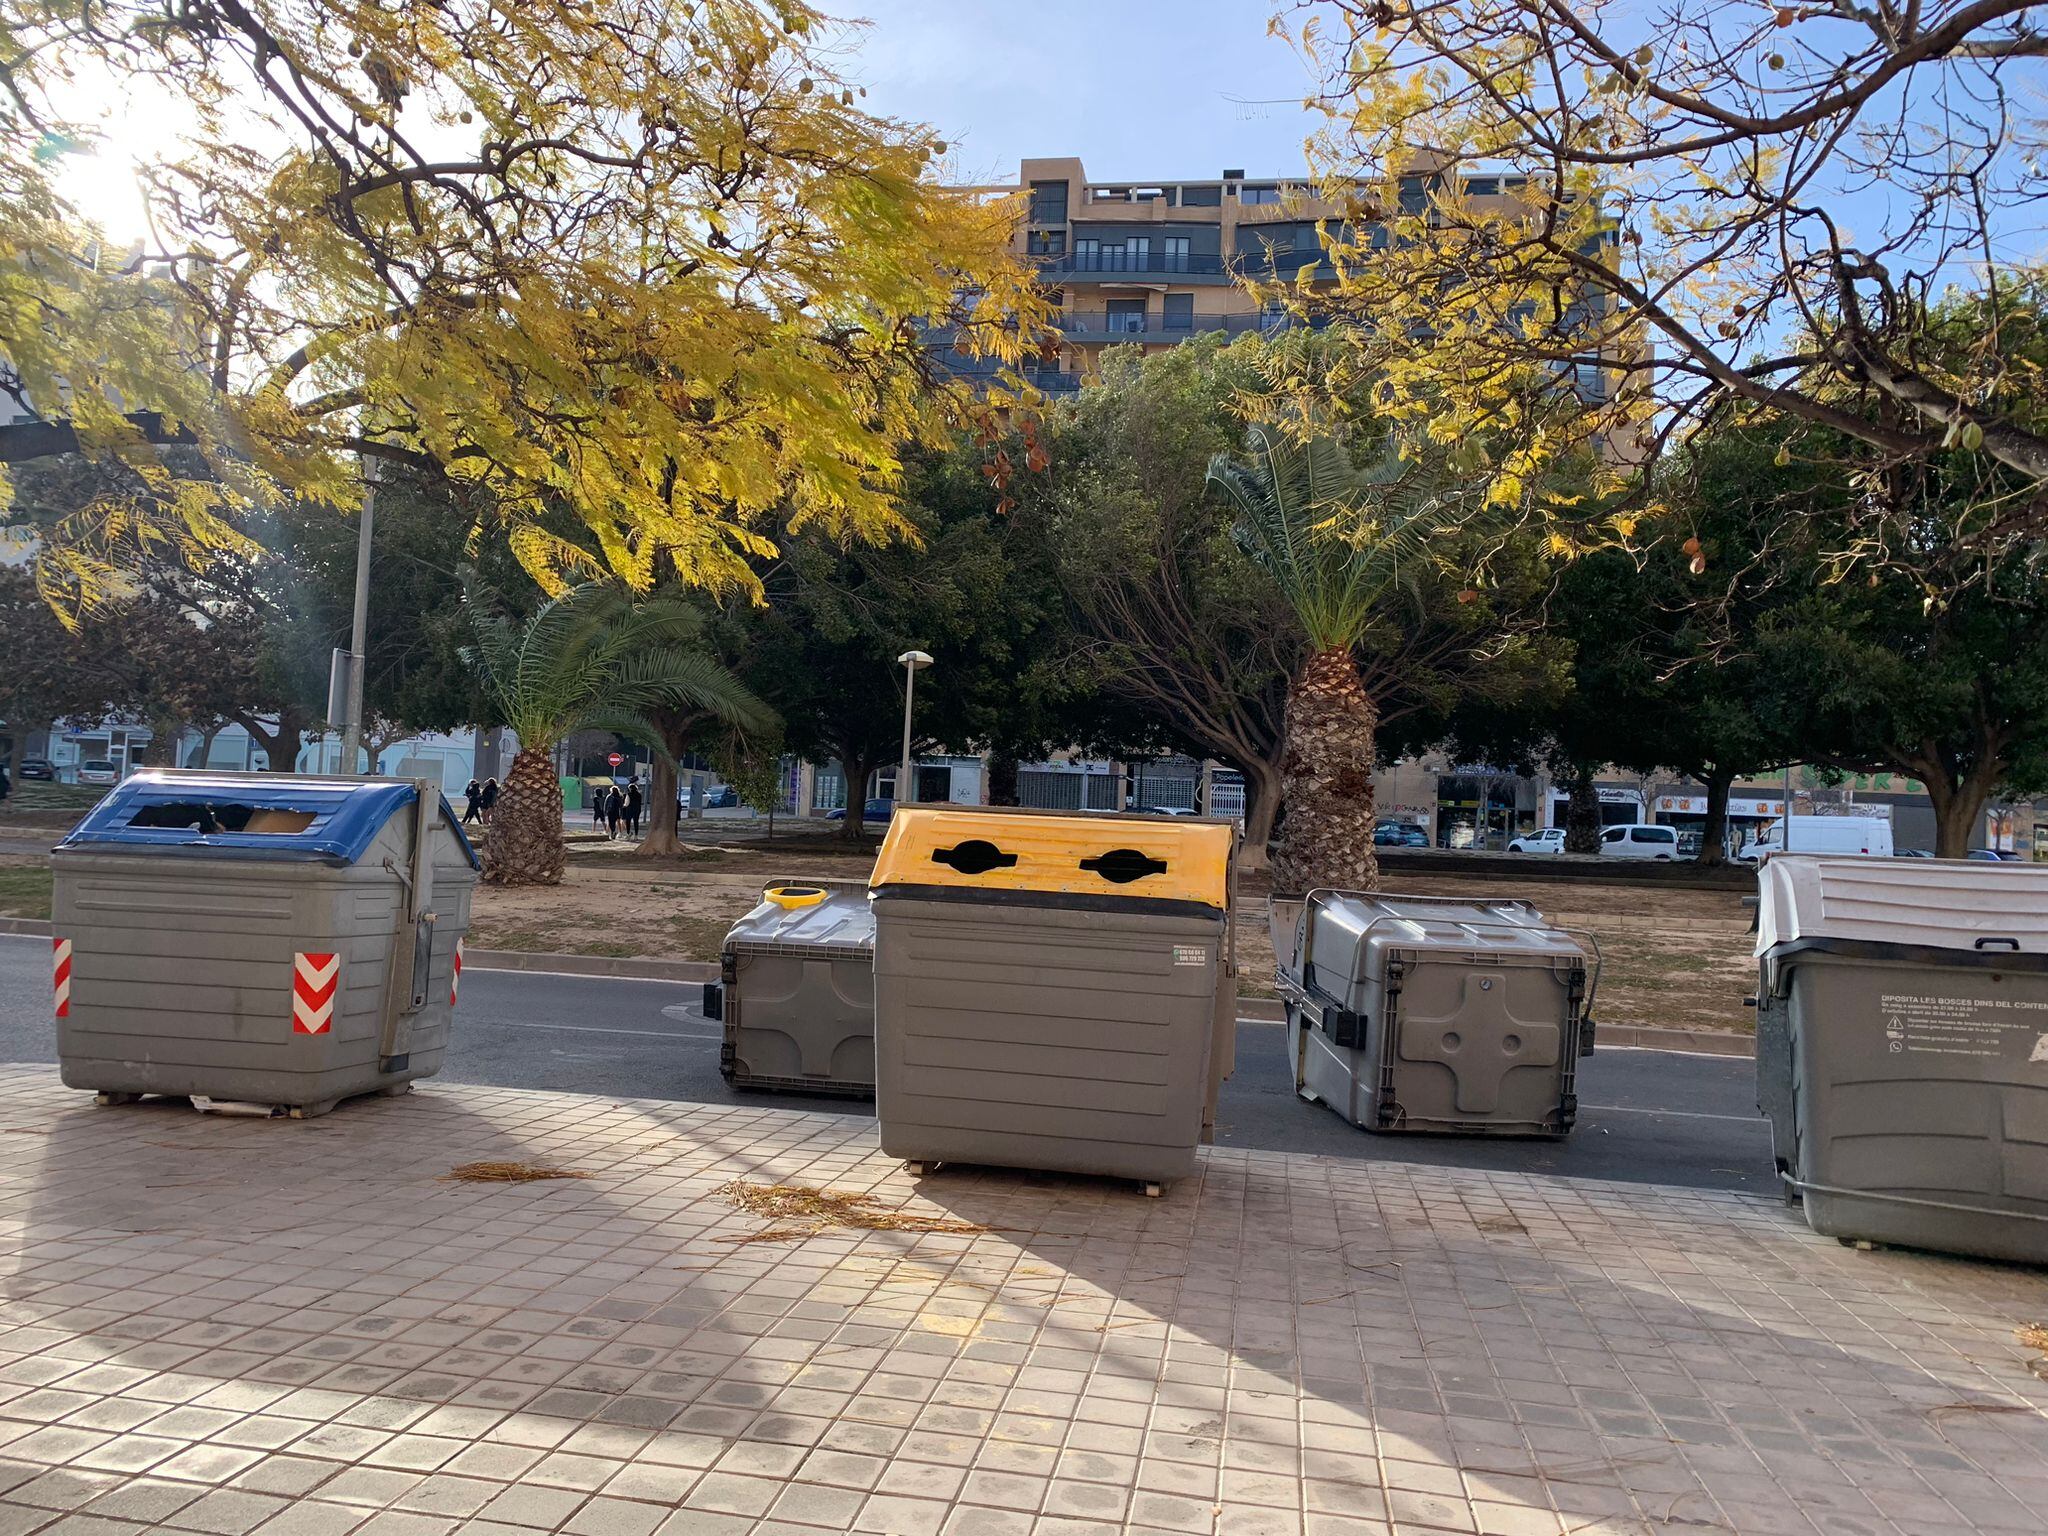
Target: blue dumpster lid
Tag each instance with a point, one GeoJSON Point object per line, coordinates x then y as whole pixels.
{"type": "Point", "coordinates": [290, 817]}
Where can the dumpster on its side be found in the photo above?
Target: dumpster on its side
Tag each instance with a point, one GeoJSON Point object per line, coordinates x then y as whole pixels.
{"type": "Point", "coordinates": [1902, 1048]}
{"type": "Point", "coordinates": [1437, 1014]}
{"type": "Point", "coordinates": [796, 991]}
{"type": "Point", "coordinates": [1052, 991]}
{"type": "Point", "coordinates": [268, 939]}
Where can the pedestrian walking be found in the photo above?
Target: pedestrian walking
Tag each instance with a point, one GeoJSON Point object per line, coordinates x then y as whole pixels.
{"type": "Point", "coordinates": [597, 800]}
{"type": "Point", "coordinates": [487, 798]}
{"type": "Point", "coordinates": [633, 803]}
{"type": "Point", "coordinates": [471, 793]}
{"type": "Point", "coordinates": [614, 810]}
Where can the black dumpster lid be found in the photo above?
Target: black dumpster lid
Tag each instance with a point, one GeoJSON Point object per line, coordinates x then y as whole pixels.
{"type": "Point", "coordinates": [331, 820]}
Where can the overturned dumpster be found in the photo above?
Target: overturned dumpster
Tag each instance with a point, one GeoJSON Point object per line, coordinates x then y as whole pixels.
{"type": "Point", "coordinates": [259, 940]}
{"type": "Point", "coordinates": [1436, 1014]}
{"type": "Point", "coordinates": [796, 991]}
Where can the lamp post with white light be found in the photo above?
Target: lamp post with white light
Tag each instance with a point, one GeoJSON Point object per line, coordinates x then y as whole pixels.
{"type": "Point", "coordinates": [906, 786]}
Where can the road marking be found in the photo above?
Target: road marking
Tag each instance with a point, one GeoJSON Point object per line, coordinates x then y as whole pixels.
{"type": "Point", "coordinates": [1678, 1114]}
{"type": "Point", "coordinates": [598, 1029]}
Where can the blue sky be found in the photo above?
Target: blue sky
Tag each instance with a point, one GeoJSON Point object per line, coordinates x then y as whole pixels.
{"type": "Point", "coordinates": [1136, 88]}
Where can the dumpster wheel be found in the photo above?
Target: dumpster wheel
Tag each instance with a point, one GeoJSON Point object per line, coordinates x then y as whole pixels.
{"type": "Point", "coordinates": [1154, 1191]}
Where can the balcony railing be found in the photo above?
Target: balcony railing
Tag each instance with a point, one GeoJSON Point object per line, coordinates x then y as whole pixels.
{"type": "Point", "coordinates": [1165, 263]}
{"type": "Point", "coordinates": [1082, 324]}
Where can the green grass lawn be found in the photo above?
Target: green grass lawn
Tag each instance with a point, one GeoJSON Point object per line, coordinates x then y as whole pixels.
{"type": "Point", "coordinates": [24, 891]}
{"type": "Point", "coordinates": [36, 796]}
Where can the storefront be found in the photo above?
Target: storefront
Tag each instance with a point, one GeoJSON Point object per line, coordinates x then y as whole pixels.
{"type": "Point", "coordinates": [1747, 815]}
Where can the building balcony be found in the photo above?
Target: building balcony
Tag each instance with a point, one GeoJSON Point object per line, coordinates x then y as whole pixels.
{"type": "Point", "coordinates": [1087, 326]}
{"type": "Point", "coordinates": [1165, 264]}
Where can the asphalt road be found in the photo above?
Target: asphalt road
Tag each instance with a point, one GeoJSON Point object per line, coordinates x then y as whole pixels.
{"type": "Point", "coordinates": [1644, 1116]}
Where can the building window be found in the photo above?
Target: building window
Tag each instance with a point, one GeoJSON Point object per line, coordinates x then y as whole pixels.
{"type": "Point", "coordinates": [1125, 317]}
{"type": "Point", "coordinates": [1139, 249]}
{"type": "Point", "coordinates": [1483, 186]}
{"type": "Point", "coordinates": [1178, 311]}
{"type": "Point", "coordinates": [1046, 242]}
{"type": "Point", "coordinates": [1255, 194]}
{"type": "Point", "coordinates": [1210, 196]}
{"type": "Point", "coordinates": [1048, 202]}
{"type": "Point", "coordinates": [1087, 255]}
{"type": "Point", "coordinates": [1176, 253]}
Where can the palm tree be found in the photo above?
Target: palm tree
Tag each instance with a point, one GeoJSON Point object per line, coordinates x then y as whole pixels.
{"type": "Point", "coordinates": [590, 659]}
{"type": "Point", "coordinates": [1336, 540]}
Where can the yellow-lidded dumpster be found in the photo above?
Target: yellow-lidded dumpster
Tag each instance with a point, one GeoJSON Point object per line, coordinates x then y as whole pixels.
{"type": "Point", "coordinates": [1052, 991]}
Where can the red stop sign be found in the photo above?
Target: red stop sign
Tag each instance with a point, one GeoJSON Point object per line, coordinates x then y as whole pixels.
{"type": "Point", "coordinates": [615, 759]}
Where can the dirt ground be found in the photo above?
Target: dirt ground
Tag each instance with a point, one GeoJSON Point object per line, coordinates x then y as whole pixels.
{"type": "Point", "coordinates": [1673, 958]}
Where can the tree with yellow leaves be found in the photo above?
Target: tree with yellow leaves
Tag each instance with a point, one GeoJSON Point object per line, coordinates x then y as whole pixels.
{"type": "Point", "coordinates": [643, 272]}
{"type": "Point", "coordinates": [1753, 203]}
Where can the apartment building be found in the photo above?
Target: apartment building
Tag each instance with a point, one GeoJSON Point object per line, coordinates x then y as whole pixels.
{"type": "Point", "coordinates": [1154, 262]}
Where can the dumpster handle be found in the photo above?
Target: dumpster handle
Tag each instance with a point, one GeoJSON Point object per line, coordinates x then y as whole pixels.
{"type": "Point", "coordinates": [1989, 939]}
{"type": "Point", "coordinates": [1805, 1186]}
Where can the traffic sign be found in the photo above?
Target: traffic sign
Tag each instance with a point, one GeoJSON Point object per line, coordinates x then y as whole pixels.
{"type": "Point", "coordinates": [615, 759]}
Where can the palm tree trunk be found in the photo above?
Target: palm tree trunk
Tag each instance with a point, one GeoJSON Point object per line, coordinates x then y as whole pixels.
{"type": "Point", "coordinates": [1327, 780]}
{"type": "Point", "coordinates": [1582, 812]}
{"type": "Point", "coordinates": [525, 842]}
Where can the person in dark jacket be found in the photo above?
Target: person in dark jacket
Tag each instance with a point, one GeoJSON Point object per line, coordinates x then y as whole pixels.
{"type": "Point", "coordinates": [487, 798]}
{"type": "Point", "coordinates": [634, 801]}
{"type": "Point", "coordinates": [471, 793]}
{"type": "Point", "coordinates": [614, 810]}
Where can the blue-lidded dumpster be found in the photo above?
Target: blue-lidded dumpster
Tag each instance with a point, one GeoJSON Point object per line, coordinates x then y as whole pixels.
{"type": "Point", "coordinates": [285, 941]}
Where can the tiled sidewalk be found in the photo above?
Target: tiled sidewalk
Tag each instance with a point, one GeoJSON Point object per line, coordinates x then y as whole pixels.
{"type": "Point", "coordinates": [297, 1328]}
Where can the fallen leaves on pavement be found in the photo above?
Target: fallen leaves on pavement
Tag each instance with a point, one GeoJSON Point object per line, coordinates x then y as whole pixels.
{"type": "Point", "coordinates": [799, 1211]}
{"type": "Point", "coordinates": [507, 1173]}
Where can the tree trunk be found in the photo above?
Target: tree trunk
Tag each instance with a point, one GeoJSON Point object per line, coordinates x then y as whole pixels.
{"type": "Point", "coordinates": [1261, 806]}
{"type": "Point", "coordinates": [1958, 812]}
{"type": "Point", "coordinates": [17, 749]}
{"type": "Point", "coordinates": [661, 838]}
{"type": "Point", "coordinates": [1714, 835]}
{"type": "Point", "coordinates": [525, 845]}
{"type": "Point", "coordinates": [280, 743]}
{"type": "Point", "coordinates": [856, 769]}
{"type": "Point", "coordinates": [1582, 812]}
{"type": "Point", "coordinates": [1327, 780]}
{"type": "Point", "coordinates": [1001, 787]}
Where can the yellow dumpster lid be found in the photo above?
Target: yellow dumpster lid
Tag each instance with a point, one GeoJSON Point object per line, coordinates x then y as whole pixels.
{"type": "Point", "coordinates": [1159, 858]}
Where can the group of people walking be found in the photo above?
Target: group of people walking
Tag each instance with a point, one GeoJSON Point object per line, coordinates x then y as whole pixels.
{"type": "Point", "coordinates": [613, 808]}
{"type": "Point", "coordinates": [479, 801]}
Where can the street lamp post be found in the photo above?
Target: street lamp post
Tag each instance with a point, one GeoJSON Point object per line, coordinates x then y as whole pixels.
{"type": "Point", "coordinates": [345, 678]}
{"type": "Point", "coordinates": [906, 786]}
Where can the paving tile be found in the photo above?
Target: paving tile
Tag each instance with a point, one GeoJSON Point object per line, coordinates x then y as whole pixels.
{"type": "Point", "coordinates": [1281, 1346]}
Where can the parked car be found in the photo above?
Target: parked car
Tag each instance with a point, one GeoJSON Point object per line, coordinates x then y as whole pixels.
{"type": "Point", "coordinates": [1689, 843]}
{"type": "Point", "coordinates": [1399, 834]}
{"type": "Point", "coordinates": [874, 810]}
{"type": "Point", "coordinates": [721, 797]}
{"type": "Point", "coordinates": [1640, 840]}
{"type": "Point", "coordinates": [1542, 840]}
{"type": "Point", "coordinates": [1869, 835]}
{"type": "Point", "coordinates": [37, 768]}
{"type": "Point", "coordinates": [1911, 853]}
{"type": "Point", "coordinates": [97, 770]}
{"type": "Point", "coordinates": [1166, 810]}
{"type": "Point", "coordinates": [1993, 855]}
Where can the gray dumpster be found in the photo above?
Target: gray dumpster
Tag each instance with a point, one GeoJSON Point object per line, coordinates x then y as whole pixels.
{"type": "Point", "coordinates": [1052, 991]}
{"type": "Point", "coordinates": [1437, 1014]}
{"type": "Point", "coordinates": [276, 940]}
{"type": "Point", "coordinates": [1902, 1048]}
{"type": "Point", "coordinates": [796, 991]}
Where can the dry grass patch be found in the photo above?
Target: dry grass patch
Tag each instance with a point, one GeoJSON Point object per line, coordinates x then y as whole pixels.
{"type": "Point", "coordinates": [507, 1173]}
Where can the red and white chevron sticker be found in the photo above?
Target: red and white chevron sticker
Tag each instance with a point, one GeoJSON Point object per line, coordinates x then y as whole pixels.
{"type": "Point", "coordinates": [60, 966]}
{"type": "Point", "coordinates": [315, 979]}
{"type": "Point", "coordinates": [455, 975]}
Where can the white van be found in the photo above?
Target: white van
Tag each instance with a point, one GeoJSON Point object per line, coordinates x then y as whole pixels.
{"type": "Point", "coordinates": [1639, 840]}
{"type": "Point", "coordinates": [1870, 835]}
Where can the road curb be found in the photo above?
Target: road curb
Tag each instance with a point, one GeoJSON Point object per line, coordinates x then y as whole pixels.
{"type": "Point", "coordinates": [1256, 1010]}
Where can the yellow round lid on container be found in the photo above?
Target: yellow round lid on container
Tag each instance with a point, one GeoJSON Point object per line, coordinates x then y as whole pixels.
{"type": "Point", "coordinates": [792, 897]}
